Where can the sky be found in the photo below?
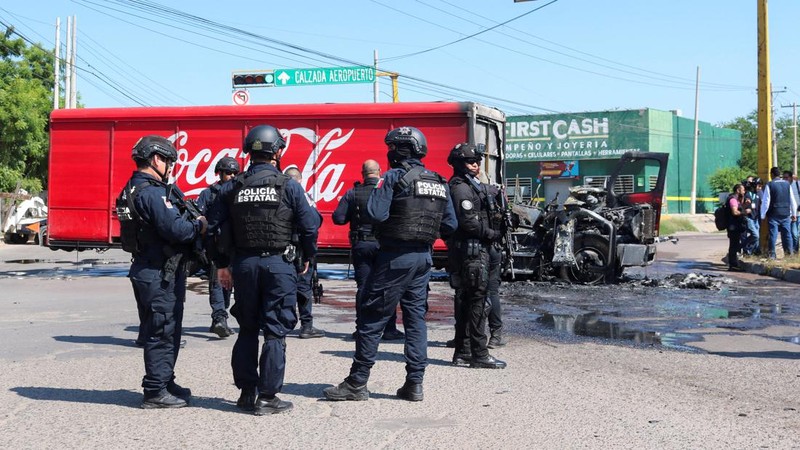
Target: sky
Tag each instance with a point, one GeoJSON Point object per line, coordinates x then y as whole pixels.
{"type": "Point", "coordinates": [534, 57]}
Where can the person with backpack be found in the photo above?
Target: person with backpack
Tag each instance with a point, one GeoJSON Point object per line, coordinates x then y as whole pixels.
{"type": "Point", "coordinates": [154, 230]}
{"type": "Point", "coordinates": [750, 239]}
{"type": "Point", "coordinates": [739, 208]}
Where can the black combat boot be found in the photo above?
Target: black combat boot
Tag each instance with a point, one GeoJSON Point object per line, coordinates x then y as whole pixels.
{"type": "Point", "coordinates": [179, 391]}
{"type": "Point", "coordinates": [346, 391]}
{"type": "Point", "coordinates": [219, 326]}
{"type": "Point", "coordinates": [163, 399]}
{"type": "Point", "coordinates": [496, 340]}
{"type": "Point", "coordinates": [487, 362]}
{"type": "Point", "coordinates": [247, 399]}
{"type": "Point", "coordinates": [462, 358]}
{"type": "Point", "coordinates": [274, 405]}
{"type": "Point", "coordinates": [410, 391]}
{"type": "Point", "coordinates": [308, 331]}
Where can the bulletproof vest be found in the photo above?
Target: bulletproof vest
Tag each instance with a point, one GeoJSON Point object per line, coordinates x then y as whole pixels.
{"type": "Point", "coordinates": [415, 216]}
{"type": "Point", "coordinates": [779, 199]}
{"type": "Point", "coordinates": [135, 232]}
{"type": "Point", "coordinates": [360, 223]}
{"type": "Point", "coordinates": [259, 218]}
{"type": "Point", "coordinates": [484, 208]}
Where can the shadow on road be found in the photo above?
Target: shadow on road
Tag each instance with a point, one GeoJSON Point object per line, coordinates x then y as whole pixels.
{"type": "Point", "coordinates": [100, 340]}
{"type": "Point", "coordinates": [116, 397]}
{"type": "Point", "coordinates": [777, 354]}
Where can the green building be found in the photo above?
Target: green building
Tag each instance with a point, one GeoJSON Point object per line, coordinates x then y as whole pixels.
{"type": "Point", "coordinates": [548, 154]}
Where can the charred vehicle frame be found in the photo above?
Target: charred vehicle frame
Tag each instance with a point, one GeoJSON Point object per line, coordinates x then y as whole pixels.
{"type": "Point", "coordinates": [595, 234]}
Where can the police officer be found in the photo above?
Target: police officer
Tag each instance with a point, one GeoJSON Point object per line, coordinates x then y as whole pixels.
{"type": "Point", "coordinates": [495, 310]}
{"type": "Point", "coordinates": [352, 209]}
{"type": "Point", "coordinates": [156, 231]}
{"type": "Point", "coordinates": [305, 292]}
{"type": "Point", "coordinates": [468, 256]}
{"type": "Point", "coordinates": [219, 298]}
{"type": "Point", "coordinates": [410, 207]}
{"type": "Point", "coordinates": [253, 218]}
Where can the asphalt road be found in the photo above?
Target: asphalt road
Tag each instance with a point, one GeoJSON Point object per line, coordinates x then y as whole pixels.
{"type": "Point", "coordinates": [71, 376]}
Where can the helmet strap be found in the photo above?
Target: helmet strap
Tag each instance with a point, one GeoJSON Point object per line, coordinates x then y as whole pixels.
{"type": "Point", "coordinates": [165, 175]}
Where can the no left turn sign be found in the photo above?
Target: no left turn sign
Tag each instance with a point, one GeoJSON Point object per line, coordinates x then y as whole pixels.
{"type": "Point", "coordinates": [241, 98]}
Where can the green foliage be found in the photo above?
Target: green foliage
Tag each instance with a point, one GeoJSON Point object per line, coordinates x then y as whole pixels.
{"type": "Point", "coordinates": [723, 180]}
{"type": "Point", "coordinates": [26, 85]}
{"type": "Point", "coordinates": [749, 127]}
{"type": "Point", "coordinates": [671, 225]}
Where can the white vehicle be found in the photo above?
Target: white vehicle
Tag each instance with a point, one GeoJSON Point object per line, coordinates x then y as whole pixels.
{"type": "Point", "coordinates": [26, 220]}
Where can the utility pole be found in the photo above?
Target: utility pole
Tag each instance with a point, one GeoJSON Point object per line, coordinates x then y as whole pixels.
{"type": "Point", "coordinates": [57, 63]}
{"type": "Point", "coordinates": [774, 126]}
{"type": "Point", "coordinates": [375, 87]}
{"type": "Point", "coordinates": [764, 103]}
{"type": "Point", "coordinates": [67, 66]}
{"type": "Point", "coordinates": [693, 201]}
{"type": "Point", "coordinates": [73, 99]}
{"type": "Point", "coordinates": [794, 126]}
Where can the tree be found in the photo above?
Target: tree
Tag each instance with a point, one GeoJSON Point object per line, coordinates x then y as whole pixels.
{"type": "Point", "coordinates": [26, 86]}
{"type": "Point", "coordinates": [749, 127]}
{"type": "Point", "coordinates": [723, 180]}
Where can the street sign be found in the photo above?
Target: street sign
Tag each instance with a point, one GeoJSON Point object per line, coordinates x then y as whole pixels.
{"type": "Point", "coordinates": [324, 75]}
{"type": "Point", "coordinates": [241, 97]}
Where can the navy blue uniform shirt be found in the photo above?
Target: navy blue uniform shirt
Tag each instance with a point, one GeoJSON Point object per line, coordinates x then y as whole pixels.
{"type": "Point", "coordinates": [306, 218]}
{"type": "Point", "coordinates": [162, 215]}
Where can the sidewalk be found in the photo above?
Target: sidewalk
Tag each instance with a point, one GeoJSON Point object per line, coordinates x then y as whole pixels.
{"type": "Point", "coordinates": [705, 224]}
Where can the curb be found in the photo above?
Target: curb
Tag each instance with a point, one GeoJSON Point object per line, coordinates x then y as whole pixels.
{"type": "Point", "coordinates": [788, 275]}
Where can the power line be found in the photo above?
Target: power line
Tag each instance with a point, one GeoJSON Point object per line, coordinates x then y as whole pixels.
{"type": "Point", "coordinates": [688, 80]}
{"type": "Point", "coordinates": [465, 37]}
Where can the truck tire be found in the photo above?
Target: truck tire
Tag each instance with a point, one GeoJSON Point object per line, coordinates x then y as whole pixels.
{"type": "Point", "coordinates": [15, 238]}
{"type": "Point", "coordinates": [590, 249]}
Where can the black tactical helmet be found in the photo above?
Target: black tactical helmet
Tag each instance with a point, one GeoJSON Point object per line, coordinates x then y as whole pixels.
{"type": "Point", "coordinates": [144, 149]}
{"type": "Point", "coordinates": [264, 139]}
{"type": "Point", "coordinates": [227, 164]}
{"type": "Point", "coordinates": [465, 152]}
{"type": "Point", "coordinates": [407, 138]}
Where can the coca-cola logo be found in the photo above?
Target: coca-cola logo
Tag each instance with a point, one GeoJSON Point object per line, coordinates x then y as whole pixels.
{"type": "Point", "coordinates": [194, 169]}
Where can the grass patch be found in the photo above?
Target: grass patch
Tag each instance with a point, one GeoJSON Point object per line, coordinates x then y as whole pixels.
{"type": "Point", "coordinates": [673, 224]}
{"type": "Point", "coordinates": [785, 263]}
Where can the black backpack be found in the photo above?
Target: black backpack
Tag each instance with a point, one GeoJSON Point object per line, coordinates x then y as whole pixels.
{"type": "Point", "coordinates": [722, 215]}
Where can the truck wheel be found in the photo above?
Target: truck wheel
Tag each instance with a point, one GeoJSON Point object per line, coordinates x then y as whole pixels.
{"type": "Point", "coordinates": [15, 238]}
{"type": "Point", "coordinates": [590, 250]}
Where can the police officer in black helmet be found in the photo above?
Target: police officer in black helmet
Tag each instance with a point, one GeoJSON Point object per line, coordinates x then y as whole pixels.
{"type": "Point", "coordinates": [253, 219]}
{"type": "Point", "coordinates": [154, 229]}
{"type": "Point", "coordinates": [410, 207]}
{"type": "Point", "coordinates": [469, 256]}
{"type": "Point", "coordinates": [219, 298]}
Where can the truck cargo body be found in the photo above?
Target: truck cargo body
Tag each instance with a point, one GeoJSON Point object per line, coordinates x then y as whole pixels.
{"type": "Point", "coordinates": [90, 155]}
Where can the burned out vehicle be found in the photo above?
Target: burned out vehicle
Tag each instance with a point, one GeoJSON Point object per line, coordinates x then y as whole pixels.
{"type": "Point", "coordinates": [597, 232]}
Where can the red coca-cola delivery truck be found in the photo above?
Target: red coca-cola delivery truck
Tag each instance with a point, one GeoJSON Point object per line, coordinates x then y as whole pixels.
{"type": "Point", "coordinates": [90, 154]}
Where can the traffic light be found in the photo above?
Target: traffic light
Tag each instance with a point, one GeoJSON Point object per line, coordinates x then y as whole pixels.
{"type": "Point", "coordinates": [252, 79]}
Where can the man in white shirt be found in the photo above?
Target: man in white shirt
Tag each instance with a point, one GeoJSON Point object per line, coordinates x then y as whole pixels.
{"type": "Point", "coordinates": [793, 187]}
{"type": "Point", "coordinates": [779, 208]}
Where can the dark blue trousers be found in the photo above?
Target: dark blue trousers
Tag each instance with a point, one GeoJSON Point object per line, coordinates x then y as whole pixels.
{"type": "Point", "coordinates": [305, 298]}
{"type": "Point", "coordinates": [160, 305]}
{"type": "Point", "coordinates": [363, 255]}
{"type": "Point", "coordinates": [495, 316]}
{"type": "Point", "coordinates": [266, 297]}
{"type": "Point", "coordinates": [219, 298]}
{"type": "Point", "coordinates": [396, 277]}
